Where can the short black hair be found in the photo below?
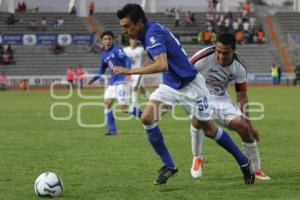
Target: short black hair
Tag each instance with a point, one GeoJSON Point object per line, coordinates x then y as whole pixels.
{"type": "Point", "coordinates": [227, 39]}
{"type": "Point", "coordinates": [110, 33]}
{"type": "Point", "coordinates": [134, 11]}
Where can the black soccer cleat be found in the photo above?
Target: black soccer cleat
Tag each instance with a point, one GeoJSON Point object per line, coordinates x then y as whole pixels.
{"type": "Point", "coordinates": [164, 174]}
{"type": "Point", "coordinates": [110, 134]}
{"type": "Point", "coordinates": [249, 174]}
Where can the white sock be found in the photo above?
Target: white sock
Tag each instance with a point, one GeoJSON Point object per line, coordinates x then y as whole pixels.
{"type": "Point", "coordinates": [252, 152]}
{"type": "Point", "coordinates": [134, 96]}
{"type": "Point", "coordinates": [197, 137]}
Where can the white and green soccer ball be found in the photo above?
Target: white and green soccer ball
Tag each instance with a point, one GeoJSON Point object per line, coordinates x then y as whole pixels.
{"type": "Point", "coordinates": [48, 184]}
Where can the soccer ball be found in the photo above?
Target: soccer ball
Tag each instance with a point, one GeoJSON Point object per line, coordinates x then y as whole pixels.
{"type": "Point", "coordinates": [48, 184]}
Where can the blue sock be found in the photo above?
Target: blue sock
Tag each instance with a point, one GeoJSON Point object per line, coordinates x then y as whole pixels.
{"type": "Point", "coordinates": [156, 140]}
{"type": "Point", "coordinates": [110, 121]}
{"type": "Point", "coordinates": [135, 111]}
{"type": "Point", "coordinates": [224, 140]}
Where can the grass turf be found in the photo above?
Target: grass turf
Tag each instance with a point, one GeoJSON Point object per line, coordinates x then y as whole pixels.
{"type": "Point", "coordinates": [123, 167]}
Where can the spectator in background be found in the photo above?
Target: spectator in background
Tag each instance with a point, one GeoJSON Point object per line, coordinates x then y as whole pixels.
{"type": "Point", "coordinates": [79, 76]}
{"type": "Point", "coordinates": [19, 7]}
{"type": "Point", "coordinates": [189, 18]}
{"type": "Point", "coordinates": [172, 12]}
{"type": "Point", "coordinates": [33, 25]}
{"type": "Point", "coordinates": [247, 8]}
{"type": "Point", "coordinates": [1, 51]}
{"type": "Point", "coordinates": [91, 8]}
{"type": "Point", "coordinates": [57, 49]}
{"type": "Point", "coordinates": [274, 74]}
{"type": "Point", "coordinates": [177, 18]}
{"type": "Point", "coordinates": [239, 36]}
{"type": "Point", "coordinates": [9, 51]}
{"type": "Point", "coordinates": [23, 6]}
{"type": "Point", "coordinates": [235, 26]}
{"type": "Point", "coordinates": [35, 8]}
{"type": "Point", "coordinates": [297, 75]}
{"type": "Point", "coordinates": [24, 85]}
{"type": "Point", "coordinates": [10, 20]}
{"type": "Point", "coordinates": [5, 59]}
{"type": "Point", "coordinates": [70, 77]}
{"type": "Point", "coordinates": [60, 23]}
{"type": "Point", "coordinates": [214, 5]}
{"type": "Point", "coordinates": [43, 23]}
{"type": "Point", "coordinates": [260, 35]}
{"type": "Point", "coordinates": [73, 11]}
{"type": "Point", "coordinates": [279, 74]}
{"type": "Point", "coordinates": [3, 81]}
{"type": "Point", "coordinates": [55, 23]}
{"type": "Point", "coordinates": [167, 12]}
{"type": "Point", "coordinates": [207, 37]}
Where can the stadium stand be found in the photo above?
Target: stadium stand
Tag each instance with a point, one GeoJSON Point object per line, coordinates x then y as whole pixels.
{"type": "Point", "coordinates": [72, 24]}
{"type": "Point", "coordinates": [110, 22]}
{"type": "Point", "coordinates": [289, 21]}
{"type": "Point", "coordinates": [38, 60]}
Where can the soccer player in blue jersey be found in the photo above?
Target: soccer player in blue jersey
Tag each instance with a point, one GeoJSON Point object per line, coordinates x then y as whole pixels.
{"type": "Point", "coordinates": [181, 84]}
{"type": "Point", "coordinates": [118, 88]}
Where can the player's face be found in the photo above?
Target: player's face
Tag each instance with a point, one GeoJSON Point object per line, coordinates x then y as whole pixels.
{"type": "Point", "coordinates": [107, 41]}
{"type": "Point", "coordinates": [225, 54]}
{"type": "Point", "coordinates": [131, 29]}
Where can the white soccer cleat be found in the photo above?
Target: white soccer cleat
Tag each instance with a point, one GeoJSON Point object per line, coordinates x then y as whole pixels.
{"type": "Point", "coordinates": [259, 174]}
{"type": "Point", "coordinates": [196, 170]}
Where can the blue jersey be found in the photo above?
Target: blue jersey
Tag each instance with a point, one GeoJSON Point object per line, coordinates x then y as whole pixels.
{"type": "Point", "coordinates": [158, 40]}
{"type": "Point", "coordinates": [114, 56]}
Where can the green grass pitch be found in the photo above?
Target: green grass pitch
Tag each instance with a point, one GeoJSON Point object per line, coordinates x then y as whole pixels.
{"type": "Point", "coordinates": [95, 167]}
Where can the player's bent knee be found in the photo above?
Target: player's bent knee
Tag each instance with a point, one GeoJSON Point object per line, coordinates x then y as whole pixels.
{"type": "Point", "coordinates": [208, 127]}
{"type": "Point", "coordinates": [146, 119]}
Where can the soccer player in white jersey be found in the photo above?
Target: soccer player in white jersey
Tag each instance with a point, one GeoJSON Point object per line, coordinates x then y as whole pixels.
{"type": "Point", "coordinates": [136, 53]}
{"type": "Point", "coordinates": [220, 65]}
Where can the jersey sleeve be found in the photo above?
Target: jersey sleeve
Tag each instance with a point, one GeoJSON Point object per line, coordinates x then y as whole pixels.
{"type": "Point", "coordinates": [200, 64]}
{"type": "Point", "coordinates": [120, 53]}
{"type": "Point", "coordinates": [200, 59]}
{"type": "Point", "coordinates": [241, 79]}
{"type": "Point", "coordinates": [155, 43]}
{"type": "Point", "coordinates": [122, 56]}
{"type": "Point", "coordinates": [241, 75]}
{"type": "Point", "coordinates": [100, 70]}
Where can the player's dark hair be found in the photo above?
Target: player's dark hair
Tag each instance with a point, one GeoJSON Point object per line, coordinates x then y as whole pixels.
{"type": "Point", "coordinates": [107, 33]}
{"type": "Point", "coordinates": [227, 39]}
{"type": "Point", "coordinates": [133, 11]}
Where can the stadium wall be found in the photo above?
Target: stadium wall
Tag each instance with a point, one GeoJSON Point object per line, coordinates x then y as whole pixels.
{"type": "Point", "coordinates": [151, 80]}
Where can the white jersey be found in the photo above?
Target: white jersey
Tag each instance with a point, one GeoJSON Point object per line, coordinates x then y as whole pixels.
{"type": "Point", "coordinates": [135, 55]}
{"type": "Point", "coordinates": [216, 76]}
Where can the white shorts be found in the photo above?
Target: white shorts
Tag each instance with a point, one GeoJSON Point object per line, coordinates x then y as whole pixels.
{"type": "Point", "coordinates": [223, 110]}
{"type": "Point", "coordinates": [121, 92]}
{"type": "Point", "coordinates": [194, 97]}
{"type": "Point", "coordinates": [135, 82]}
